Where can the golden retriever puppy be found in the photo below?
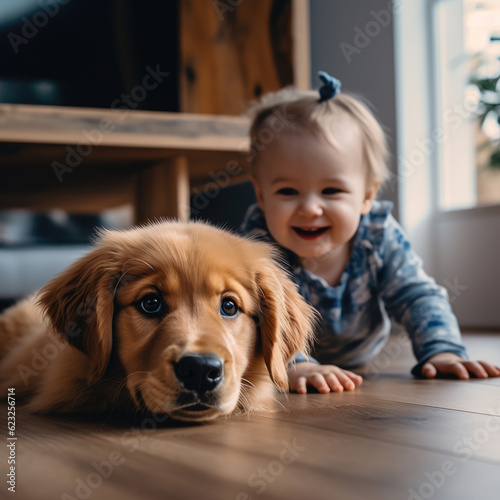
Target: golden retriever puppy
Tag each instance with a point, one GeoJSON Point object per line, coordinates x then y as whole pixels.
{"type": "Point", "coordinates": [179, 319]}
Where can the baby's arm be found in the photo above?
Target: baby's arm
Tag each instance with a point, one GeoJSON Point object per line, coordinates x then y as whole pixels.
{"type": "Point", "coordinates": [324, 378]}
{"type": "Point", "coordinates": [414, 299]}
{"type": "Point", "coordinates": [448, 363]}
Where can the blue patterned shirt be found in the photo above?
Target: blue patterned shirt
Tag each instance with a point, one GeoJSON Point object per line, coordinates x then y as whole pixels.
{"type": "Point", "coordinates": [383, 279]}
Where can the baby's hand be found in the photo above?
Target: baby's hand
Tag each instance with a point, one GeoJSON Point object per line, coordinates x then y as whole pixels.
{"type": "Point", "coordinates": [324, 378]}
{"type": "Point", "coordinates": [447, 363]}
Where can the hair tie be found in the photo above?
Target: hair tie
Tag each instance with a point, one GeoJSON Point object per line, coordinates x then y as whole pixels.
{"type": "Point", "coordinates": [330, 88]}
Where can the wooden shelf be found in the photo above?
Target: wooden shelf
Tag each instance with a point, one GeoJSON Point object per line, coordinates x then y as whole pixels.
{"type": "Point", "coordinates": [121, 127]}
{"type": "Point", "coordinates": [90, 159]}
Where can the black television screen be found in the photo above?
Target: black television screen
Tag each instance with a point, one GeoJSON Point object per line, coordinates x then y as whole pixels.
{"type": "Point", "coordinates": [90, 53]}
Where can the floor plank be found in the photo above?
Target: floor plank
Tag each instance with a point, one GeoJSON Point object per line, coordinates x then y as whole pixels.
{"type": "Point", "coordinates": [433, 429]}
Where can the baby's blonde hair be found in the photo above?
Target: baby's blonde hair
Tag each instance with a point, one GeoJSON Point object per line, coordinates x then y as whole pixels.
{"type": "Point", "coordinates": [293, 110]}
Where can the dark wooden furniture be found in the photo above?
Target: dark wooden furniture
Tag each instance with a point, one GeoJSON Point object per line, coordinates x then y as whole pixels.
{"type": "Point", "coordinates": [86, 160]}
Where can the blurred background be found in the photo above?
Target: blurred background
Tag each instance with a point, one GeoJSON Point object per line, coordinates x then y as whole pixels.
{"type": "Point", "coordinates": [430, 69]}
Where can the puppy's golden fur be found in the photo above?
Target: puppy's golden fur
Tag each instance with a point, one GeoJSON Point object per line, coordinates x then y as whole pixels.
{"type": "Point", "coordinates": [110, 333]}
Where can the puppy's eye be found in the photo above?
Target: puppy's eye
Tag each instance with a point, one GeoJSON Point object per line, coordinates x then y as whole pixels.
{"type": "Point", "coordinates": [151, 304]}
{"type": "Point", "coordinates": [228, 308]}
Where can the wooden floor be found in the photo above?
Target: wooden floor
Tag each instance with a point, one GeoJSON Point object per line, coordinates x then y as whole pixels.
{"type": "Point", "coordinates": [393, 438]}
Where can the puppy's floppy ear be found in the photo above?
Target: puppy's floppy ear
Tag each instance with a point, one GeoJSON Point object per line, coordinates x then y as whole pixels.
{"type": "Point", "coordinates": [286, 321]}
{"type": "Point", "coordinates": [79, 304]}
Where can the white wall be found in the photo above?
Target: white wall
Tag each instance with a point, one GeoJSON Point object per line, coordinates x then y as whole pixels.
{"type": "Point", "coordinates": [468, 264]}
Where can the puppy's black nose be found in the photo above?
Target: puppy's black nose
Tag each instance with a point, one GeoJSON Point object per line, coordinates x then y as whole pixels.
{"type": "Point", "coordinates": [199, 372]}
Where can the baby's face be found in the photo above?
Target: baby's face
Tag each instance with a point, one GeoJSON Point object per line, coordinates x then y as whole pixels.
{"type": "Point", "coordinates": [312, 193]}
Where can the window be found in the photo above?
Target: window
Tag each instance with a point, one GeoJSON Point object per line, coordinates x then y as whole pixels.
{"type": "Point", "coordinates": [468, 97]}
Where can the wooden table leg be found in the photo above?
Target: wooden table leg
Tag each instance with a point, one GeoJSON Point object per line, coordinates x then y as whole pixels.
{"type": "Point", "coordinates": [163, 191]}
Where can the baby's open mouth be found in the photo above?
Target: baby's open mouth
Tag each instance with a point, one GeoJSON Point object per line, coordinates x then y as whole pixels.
{"type": "Point", "coordinates": [311, 232]}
